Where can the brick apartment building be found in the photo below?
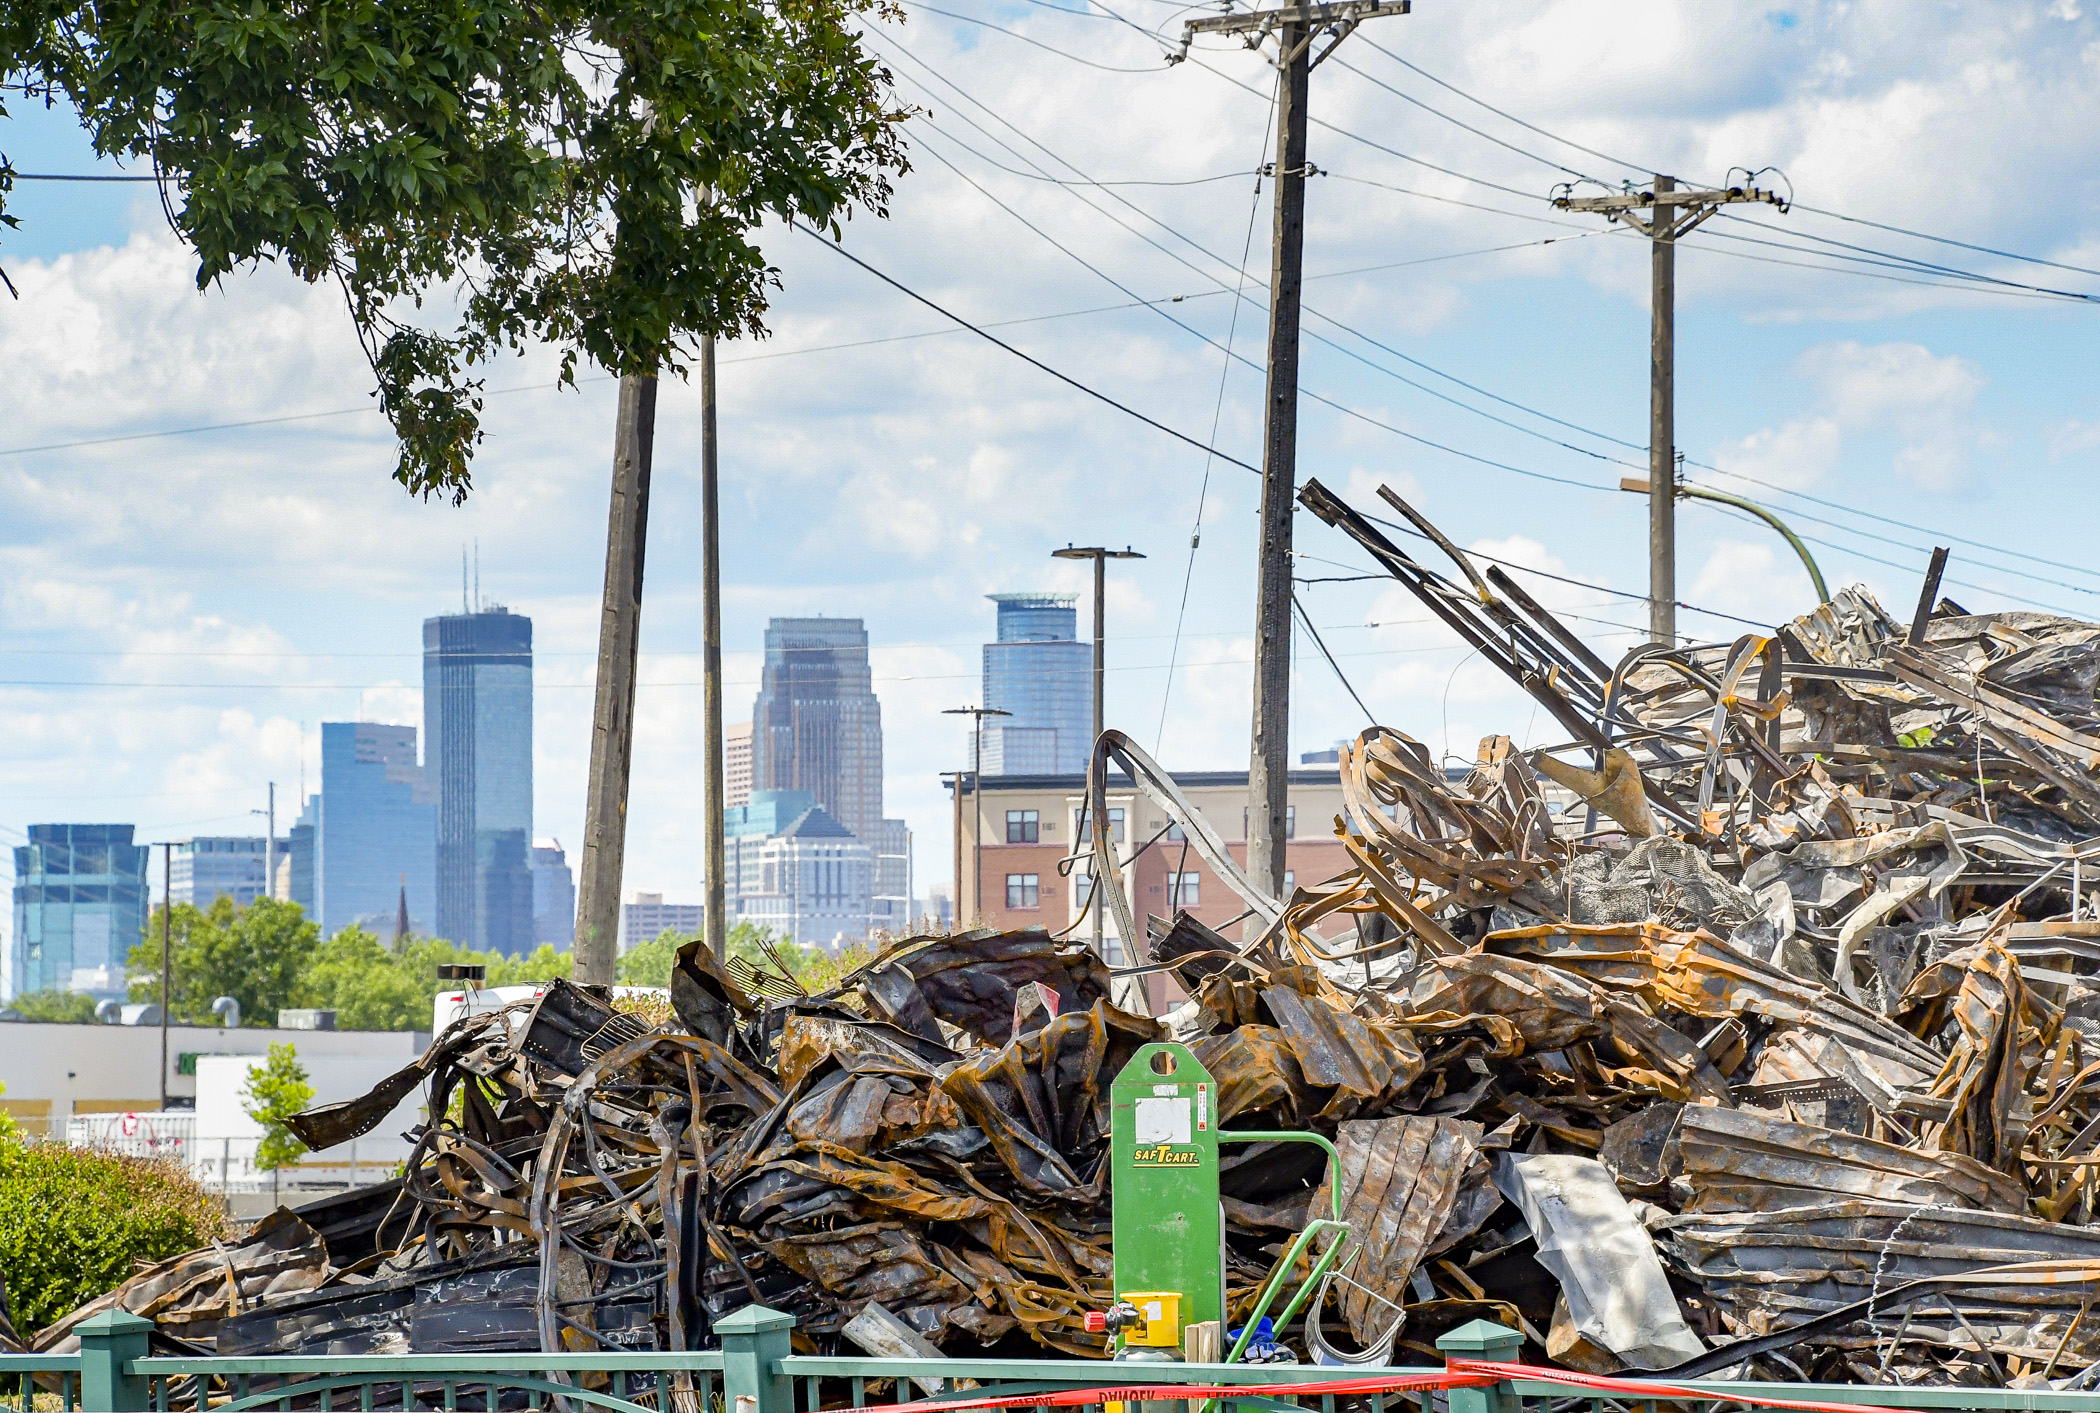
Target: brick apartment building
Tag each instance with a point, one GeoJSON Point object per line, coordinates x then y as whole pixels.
{"type": "Point", "coordinates": [1029, 822]}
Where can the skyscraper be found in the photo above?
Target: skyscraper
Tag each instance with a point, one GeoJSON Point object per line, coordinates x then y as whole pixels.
{"type": "Point", "coordinates": [816, 725]}
{"type": "Point", "coordinates": [374, 830]}
{"type": "Point", "coordinates": [80, 905]}
{"type": "Point", "coordinates": [1040, 672]}
{"type": "Point", "coordinates": [477, 736]}
{"type": "Point", "coordinates": [553, 896]}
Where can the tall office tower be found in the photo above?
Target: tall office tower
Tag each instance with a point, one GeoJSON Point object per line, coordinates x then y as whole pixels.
{"type": "Point", "coordinates": [1044, 675]}
{"type": "Point", "coordinates": [204, 869]}
{"type": "Point", "coordinates": [80, 905]}
{"type": "Point", "coordinates": [553, 896]}
{"type": "Point", "coordinates": [375, 831]}
{"type": "Point", "coordinates": [736, 765]}
{"type": "Point", "coordinates": [477, 742]}
{"type": "Point", "coordinates": [816, 725]}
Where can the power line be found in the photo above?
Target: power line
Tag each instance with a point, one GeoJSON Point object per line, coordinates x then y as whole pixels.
{"type": "Point", "coordinates": [1188, 576]}
{"type": "Point", "coordinates": [1890, 260]}
{"type": "Point", "coordinates": [1946, 240]}
{"type": "Point", "coordinates": [1511, 117]}
{"type": "Point", "coordinates": [1321, 644]}
{"type": "Point", "coordinates": [1240, 270]}
{"type": "Point", "coordinates": [1160, 67]}
{"type": "Point", "coordinates": [991, 338]}
{"type": "Point", "coordinates": [1405, 97]}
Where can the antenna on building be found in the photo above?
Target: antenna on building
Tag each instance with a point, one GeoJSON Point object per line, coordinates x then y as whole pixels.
{"type": "Point", "coordinates": [463, 578]}
{"type": "Point", "coordinates": [477, 573]}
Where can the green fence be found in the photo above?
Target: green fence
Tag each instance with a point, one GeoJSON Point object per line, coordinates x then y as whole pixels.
{"type": "Point", "coordinates": [755, 1372]}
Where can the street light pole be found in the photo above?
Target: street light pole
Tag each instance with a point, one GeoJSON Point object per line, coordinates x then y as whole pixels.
{"type": "Point", "coordinates": [167, 916]}
{"type": "Point", "coordinates": [1100, 556]}
{"type": "Point", "coordinates": [977, 714]}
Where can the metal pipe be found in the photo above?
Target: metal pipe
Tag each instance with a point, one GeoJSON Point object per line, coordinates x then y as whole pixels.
{"type": "Point", "coordinates": [1688, 491]}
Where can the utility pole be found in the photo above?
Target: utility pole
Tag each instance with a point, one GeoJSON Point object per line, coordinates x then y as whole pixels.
{"type": "Point", "coordinates": [612, 715]}
{"type": "Point", "coordinates": [1672, 212]}
{"type": "Point", "coordinates": [977, 714]}
{"type": "Point", "coordinates": [715, 921]}
{"type": "Point", "coordinates": [1297, 28]}
{"type": "Point", "coordinates": [167, 953]}
{"type": "Point", "coordinates": [269, 844]}
{"type": "Point", "coordinates": [1098, 799]}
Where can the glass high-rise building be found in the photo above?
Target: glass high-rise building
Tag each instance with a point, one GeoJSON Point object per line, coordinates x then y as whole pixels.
{"type": "Point", "coordinates": [553, 896]}
{"type": "Point", "coordinates": [816, 725]}
{"type": "Point", "coordinates": [80, 905]}
{"type": "Point", "coordinates": [1039, 671]}
{"type": "Point", "coordinates": [477, 741]}
{"type": "Point", "coordinates": [374, 831]}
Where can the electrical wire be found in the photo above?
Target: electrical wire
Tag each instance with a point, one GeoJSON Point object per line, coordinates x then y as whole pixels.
{"type": "Point", "coordinates": [1038, 363]}
{"type": "Point", "coordinates": [1321, 398]}
{"type": "Point", "coordinates": [1312, 395]}
{"type": "Point", "coordinates": [1321, 644]}
{"type": "Point", "coordinates": [1406, 97]}
{"type": "Point", "coordinates": [1507, 116]}
{"type": "Point", "coordinates": [1188, 576]}
{"type": "Point", "coordinates": [1164, 63]}
{"type": "Point", "coordinates": [1886, 259]}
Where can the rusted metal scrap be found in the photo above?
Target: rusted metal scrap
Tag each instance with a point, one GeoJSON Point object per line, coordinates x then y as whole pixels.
{"type": "Point", "coordinates": [1771, 996]}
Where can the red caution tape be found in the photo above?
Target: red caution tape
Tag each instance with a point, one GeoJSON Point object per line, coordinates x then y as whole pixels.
{"type": "Point", "coordinates": [1138, 1393]}
{"type": "Point", "coordinates": [1461, 1373]}
{"type": "Point", "coordinates": [1647, 1388]}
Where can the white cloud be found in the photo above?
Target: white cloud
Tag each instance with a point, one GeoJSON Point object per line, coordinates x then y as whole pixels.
{"type": "Point", "coordinates": [1795, 455]}
{"type": "Point", "coordinates": [2070, 438]}
{"type": "Point", "coordinates": [1869, 385]}
{"type": "Point", "coordinates": [1752, 580]}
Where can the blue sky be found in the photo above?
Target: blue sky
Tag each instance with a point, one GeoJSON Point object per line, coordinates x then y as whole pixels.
{"type": "Point", "coordinates": [178, 613]}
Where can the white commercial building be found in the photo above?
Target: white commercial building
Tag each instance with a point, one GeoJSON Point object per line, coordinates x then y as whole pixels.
{"type": "Point", "coordinates": [55, 1072]}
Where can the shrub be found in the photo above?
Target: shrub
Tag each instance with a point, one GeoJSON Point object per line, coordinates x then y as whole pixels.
{"type": "Point", "coordinates": [76, 1223]}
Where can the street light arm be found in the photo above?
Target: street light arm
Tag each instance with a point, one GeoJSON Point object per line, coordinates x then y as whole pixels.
{"type": "Point", "coordinates": [1687, 491]}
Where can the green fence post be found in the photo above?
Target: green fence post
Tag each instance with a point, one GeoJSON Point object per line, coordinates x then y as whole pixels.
{"type": "Point", "coordinates": [108, 1343]}
{"type": "Point", "coordinates": [754, 1341]}
{"type": "Point", "coordinates": [1489, 1343]}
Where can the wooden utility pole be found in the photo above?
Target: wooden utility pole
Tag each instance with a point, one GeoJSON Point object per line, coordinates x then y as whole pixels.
{"type": "Point", "coordinates": [1672, 212]}
{"type": "Point", "coordinates": [715, 923]}
{"type": "Point", "coordinates": [1297, 28]}
{"type": "Point", "coordinates": [612, 716]}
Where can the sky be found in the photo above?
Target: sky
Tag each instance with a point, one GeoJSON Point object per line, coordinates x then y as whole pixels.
{"type": "Point", "coordinates": [183, 601]}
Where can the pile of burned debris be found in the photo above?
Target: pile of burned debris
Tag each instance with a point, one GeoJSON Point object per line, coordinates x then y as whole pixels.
{"type": "Point", "coordinates": [1754, 1030]}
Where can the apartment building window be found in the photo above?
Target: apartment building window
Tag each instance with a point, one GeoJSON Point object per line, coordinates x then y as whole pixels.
{"type": "Point", "coordinates": [1023, 890]}
{"type": "Point", "coordinates": [1185, 890]}
{"type": "Point", "coordinates": [1290, 883]}
{"type": "Point", "coordinates": [1083, 829]}
{"type": "Point", "coordinates": [1023, 826]}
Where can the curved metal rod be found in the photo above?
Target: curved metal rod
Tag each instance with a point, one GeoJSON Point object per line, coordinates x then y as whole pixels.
{"type": "Point", "coordinates": [1158, 787]}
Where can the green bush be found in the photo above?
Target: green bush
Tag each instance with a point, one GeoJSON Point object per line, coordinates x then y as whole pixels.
{"type": "Point", "coordinates": [70, 1006]}
{"type": "Point", "coordinates": [76, 1223]}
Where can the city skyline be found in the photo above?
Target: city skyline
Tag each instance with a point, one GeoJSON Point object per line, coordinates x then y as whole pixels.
{"type": "Point", "coordinates": [173, 631]}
